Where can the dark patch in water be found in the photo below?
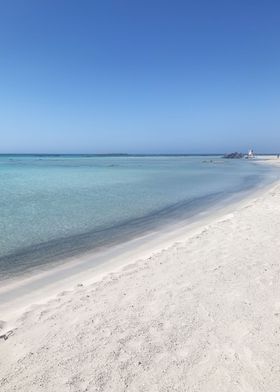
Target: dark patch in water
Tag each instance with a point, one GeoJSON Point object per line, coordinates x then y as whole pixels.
{"type": "Point", "coordinates": [41, 255]}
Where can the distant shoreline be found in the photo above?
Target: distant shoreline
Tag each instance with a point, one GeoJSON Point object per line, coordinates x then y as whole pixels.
{"type": "Point", "coordinates": [125, 154]}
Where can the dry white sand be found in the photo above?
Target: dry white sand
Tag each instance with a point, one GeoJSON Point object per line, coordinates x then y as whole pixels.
{"type": "Point", "coordinates": [201, 315]}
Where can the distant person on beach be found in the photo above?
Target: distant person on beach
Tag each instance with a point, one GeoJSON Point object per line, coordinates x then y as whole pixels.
{"type": "Point", "coordinates": [277, 156]}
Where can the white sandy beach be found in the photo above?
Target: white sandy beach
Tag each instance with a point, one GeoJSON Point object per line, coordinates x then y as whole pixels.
{"type": "Point", "coordinates": [199, 315]}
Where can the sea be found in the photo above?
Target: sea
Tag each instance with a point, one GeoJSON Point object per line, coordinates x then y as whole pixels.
{"type": "Point", "coordinates": [54, 207]}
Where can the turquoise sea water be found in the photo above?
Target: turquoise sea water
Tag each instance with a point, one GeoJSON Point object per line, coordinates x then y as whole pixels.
{"type": "Point", "coordinates": [53, 207]}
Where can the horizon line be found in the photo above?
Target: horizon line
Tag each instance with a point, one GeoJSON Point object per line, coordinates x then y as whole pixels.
{"type": "Point", "coordinates": [120, 154]}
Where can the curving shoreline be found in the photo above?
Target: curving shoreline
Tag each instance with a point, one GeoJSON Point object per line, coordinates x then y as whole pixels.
{"type": "Point", "coordinates": [45, 221]}
{"type": "Point", "coordinates": [199, 312]}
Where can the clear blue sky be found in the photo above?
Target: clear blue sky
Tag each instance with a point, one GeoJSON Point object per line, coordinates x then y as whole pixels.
{"type": "Point", "coordinates": [139, 76]}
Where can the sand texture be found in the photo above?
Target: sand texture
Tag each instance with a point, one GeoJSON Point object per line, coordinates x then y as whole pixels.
{"type": "Point", "coordinates": [202, 315]}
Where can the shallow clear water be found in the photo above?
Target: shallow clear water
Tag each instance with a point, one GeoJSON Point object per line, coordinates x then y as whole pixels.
{"type": "Point", "coordinates": [56, 206]}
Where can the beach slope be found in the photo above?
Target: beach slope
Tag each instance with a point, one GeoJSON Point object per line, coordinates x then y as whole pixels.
{"type": "Point", "coordinates": [202, 315]}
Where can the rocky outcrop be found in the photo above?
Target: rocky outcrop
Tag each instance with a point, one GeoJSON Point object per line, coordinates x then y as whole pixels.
{"type": "Point", "coordinates": [234, 155]}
